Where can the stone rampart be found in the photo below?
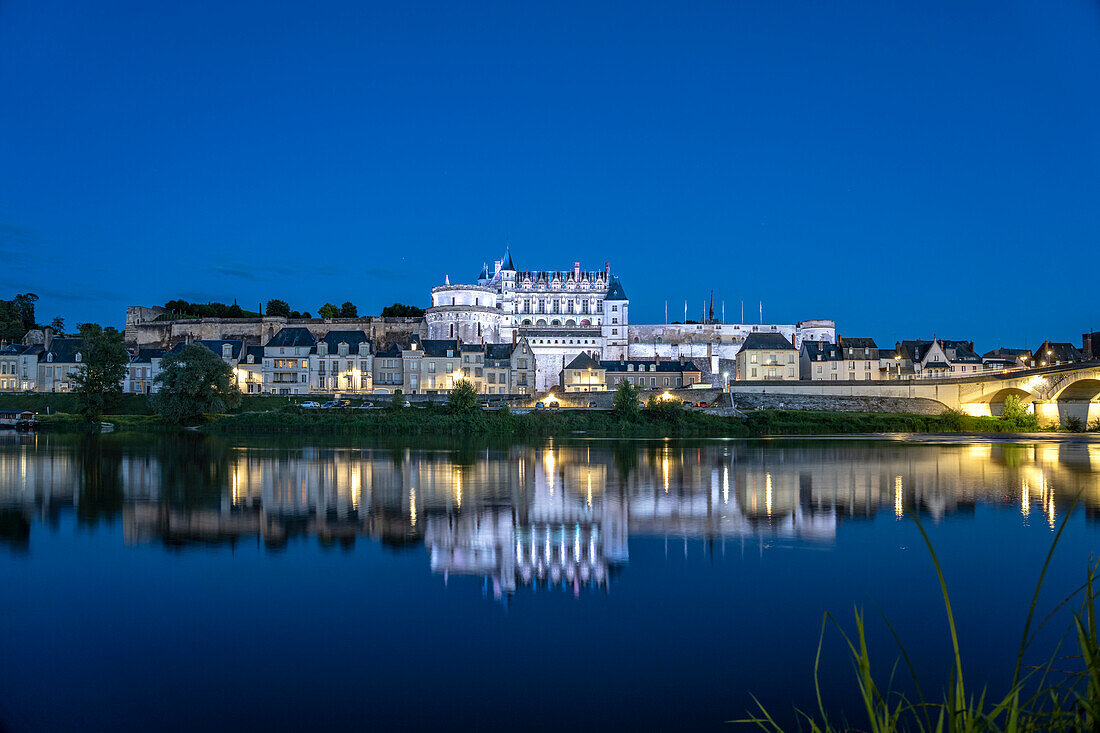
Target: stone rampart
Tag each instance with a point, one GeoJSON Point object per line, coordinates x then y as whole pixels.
{"type": "Point", "coordinates": [154, 333]}
{"type": "Point", "coordinates": [836, 403]}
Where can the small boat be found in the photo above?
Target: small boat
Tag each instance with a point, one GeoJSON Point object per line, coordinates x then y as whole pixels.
{"type": "Point", "coordinates": [21, 420]}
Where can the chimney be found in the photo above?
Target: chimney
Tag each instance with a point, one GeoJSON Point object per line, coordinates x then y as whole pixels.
{"type": "Point", "coordinates": [577, 271]}
{"type": "Point", "coordinates": [656, 358]}
{"type": "Point", "coordinates": [47, 338]}
{"type": "Point", "coordinates": [514, 337]}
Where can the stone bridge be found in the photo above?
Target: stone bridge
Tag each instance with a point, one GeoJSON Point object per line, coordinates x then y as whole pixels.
{"type": "Point", "coordinates": [1053, 393]}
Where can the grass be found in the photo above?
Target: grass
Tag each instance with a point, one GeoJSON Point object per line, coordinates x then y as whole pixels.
{"type": "Point", "coordinates": [280, 414]}
{"type": "Point", "coordinates": [1042, 699]}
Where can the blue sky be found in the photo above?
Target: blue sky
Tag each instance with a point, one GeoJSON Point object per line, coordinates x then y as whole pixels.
{"type": "Point", "coordinates": [905, 168]}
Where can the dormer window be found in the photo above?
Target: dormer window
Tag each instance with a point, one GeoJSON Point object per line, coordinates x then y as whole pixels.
{"type": "Point", "coordinates": [77, 357]}
{"type": "Point", "coordinates": [251, 359]}
{"type": "Point", "coordinates": [343, 349]}
{"type": "Point", "coordinates": [322, 349]}
{"type": "Point", "coordinates": [49, 357]}
{"type": "Point", "coordinates": [227, 351]}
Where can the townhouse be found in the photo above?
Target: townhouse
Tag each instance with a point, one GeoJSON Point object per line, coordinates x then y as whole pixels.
{"type": "Point", "coordinates": [342, 362]}
{"type": "Point", "coordinates": [767, 356]}
{"type": "Point", "coordinates": [585, 374]}
{"type": "Point", "coordinates": [820, 361]}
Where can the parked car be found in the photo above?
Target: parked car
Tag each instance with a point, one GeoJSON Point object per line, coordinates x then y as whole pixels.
{"type": "Point", "coordinates": [328, 405]}
{"type": "Point", "coordinates": [555, 405]}
{"type": "Point", "coordinates": [310, 405]}
{"type": "Point", "coordinates": [540, 405]}
{"type": "Point", "coordinates": [591, 404]}
{"type": "Point", "coordinates": [688, 404]}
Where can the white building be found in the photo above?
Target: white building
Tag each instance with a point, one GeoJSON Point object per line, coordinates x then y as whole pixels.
{"type": "Point", "coordinates": [559, 312]}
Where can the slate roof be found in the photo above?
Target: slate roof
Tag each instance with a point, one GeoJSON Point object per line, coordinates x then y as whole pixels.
{"type": "Point", "coordinates": [615, 292]}
{"type": "Point", "coordinates": [390, 351]}
{"type": "Point", "coordinates": [437, 347]}
{"type": "Point", "coordinates": [1063, 351]}
{"type": "Point", "coordinates": [508, 260]}
{"type": "Point", "coordinates": [13, 349]}
{"type": "Point", "coordinates": [145, 355]}
{"type": "Point", "coordinates": [498, 351]}
{"type": "Point", "coordinates": [861, 342]}
{"type": "Point", "coordinates": [255, 351]}
{"type": "Point", "coordinates": [351, 338]}
{"type": "Point", "coordinates": [214, 345]}
{"type": "Point", "coordinates": [768, 341]}
{"type": "Point", "coordinates": [63, 349]}
{"type": "Point", "coordinates": [1001, 352]}
{"type": "Point", "coordinates": [292, 337]}
{"type": "Point", "coordinates": [643, 365]}
{"type": "Point", "coordinates": [822, 351]}
{"type": "Point", "coordinates": [584, 360]}
{"type": "Point", "coordinates": [963, 351]}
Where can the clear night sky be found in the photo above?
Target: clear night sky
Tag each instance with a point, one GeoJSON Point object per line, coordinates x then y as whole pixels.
{"type": "Point", "coordinates": [903, 167]}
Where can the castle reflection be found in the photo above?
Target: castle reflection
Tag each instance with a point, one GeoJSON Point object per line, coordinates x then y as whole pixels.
{"type": "Point", "coordinates": [559, 514]}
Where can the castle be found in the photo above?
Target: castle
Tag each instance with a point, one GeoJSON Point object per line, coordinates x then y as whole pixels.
{"type": "Point", "coordinates": [562, 313]}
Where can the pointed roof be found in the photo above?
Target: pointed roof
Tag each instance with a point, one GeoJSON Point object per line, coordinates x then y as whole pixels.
{"type": "Point", "coordinates": [583, 360]}
{"type": "Point", "coordinates": [508, 260]}
{"type": "Point", "coordinates": [484, 272]}
{"type": "Point", "coordinates": [615, 292]}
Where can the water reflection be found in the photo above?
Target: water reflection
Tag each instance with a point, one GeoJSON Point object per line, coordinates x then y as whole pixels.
{"type": "Point", "coordinates": [558, 514]}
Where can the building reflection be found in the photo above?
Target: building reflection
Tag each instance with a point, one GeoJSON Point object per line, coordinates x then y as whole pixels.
{"type": "Point", "coordinates": [559, 514]}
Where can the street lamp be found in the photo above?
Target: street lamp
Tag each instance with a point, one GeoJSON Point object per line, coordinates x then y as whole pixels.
{"type": "Point", "coordinates": [726, 381]}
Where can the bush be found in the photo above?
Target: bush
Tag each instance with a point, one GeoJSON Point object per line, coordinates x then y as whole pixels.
{"type": "Point", "coordinates": [1016, 418]}
{"type": "Point", "coordinates": [1094, 426]}
{"type": "Point", "coordinates": [463, 397]}
{"type": "Point", "coordinates": [625, 403]}
{"type": "Point", "coordinates": [666, 408]}
{"type": "Point", "coordinates": [1074, 424]}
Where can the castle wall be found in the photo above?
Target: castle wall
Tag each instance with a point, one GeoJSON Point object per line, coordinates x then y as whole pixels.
{"type": "Point", "coordinates": [165, 334]}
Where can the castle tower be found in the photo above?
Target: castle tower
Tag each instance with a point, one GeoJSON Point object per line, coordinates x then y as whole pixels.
{"type": "Point", "coordinates": [615, 319]}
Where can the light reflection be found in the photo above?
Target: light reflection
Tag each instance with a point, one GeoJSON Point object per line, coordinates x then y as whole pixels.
{"type": "Point", "coordinates": [768, 493]}
{"type": "Point", "coordinates": [518, 526]}
{"type": "Point", "coordinates": [899, 506]}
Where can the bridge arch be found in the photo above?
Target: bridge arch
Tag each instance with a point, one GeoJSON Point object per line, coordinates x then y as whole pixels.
{"type": "Point", "coordinates": [1083, 390]}
{"type": "Point", "coordinates": [996, 401]}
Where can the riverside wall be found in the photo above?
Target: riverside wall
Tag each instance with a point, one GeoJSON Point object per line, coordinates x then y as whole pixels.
{"type": "Point", "coordinates": [836, 403]}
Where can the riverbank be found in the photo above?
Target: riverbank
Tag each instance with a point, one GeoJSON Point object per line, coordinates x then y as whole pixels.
{"type": "Point", "coordinates": [439, 420]}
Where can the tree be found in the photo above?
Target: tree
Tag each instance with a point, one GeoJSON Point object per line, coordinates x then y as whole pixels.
{"type": "Point", "coordinates": [348, 310]}
{"type": "Point", "coordinates": [328, 310]}
{"type": "Point", "coordinates": [276, 307]}
{"type": "Point", "coordinates": [463, 396]}
{"type": "Point", "coordinates": [24, 306]}
{"type": "Point", "coordinates": [58, 324]}
{"type": "Point", "coordinates": [1016, 416]}
{"type": "Point", "coordinates": [194, 382]}
{"type": "Point", "coordinates": [400, 310]}
{"type": "Point", "coordinates": [665, 407]}
{"type": "Point", "coordinates": [398, 400]}
{"type": "Point", "coordinates": [98, 379]}
{"type": "Point", "coordinates": [625, 403]}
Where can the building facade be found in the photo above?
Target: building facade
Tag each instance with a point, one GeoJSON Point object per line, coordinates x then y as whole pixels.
{"type": "Point", "coordinates": [767, 356]}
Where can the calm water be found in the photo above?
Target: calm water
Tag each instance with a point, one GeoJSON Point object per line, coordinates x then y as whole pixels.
{"type": "Point", "coordinates": [202, 583]}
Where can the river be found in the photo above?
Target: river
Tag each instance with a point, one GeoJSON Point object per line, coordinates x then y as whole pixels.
{"type": "Point", "coordinates": [197, 582]}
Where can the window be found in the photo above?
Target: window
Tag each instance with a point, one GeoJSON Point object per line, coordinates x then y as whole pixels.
{"type": "Point", "coordinates": [431, 367]}
{"type": "Point", "coordinates": [752, 358]}
{"type": "Point", "coordinates": [754, 373]}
